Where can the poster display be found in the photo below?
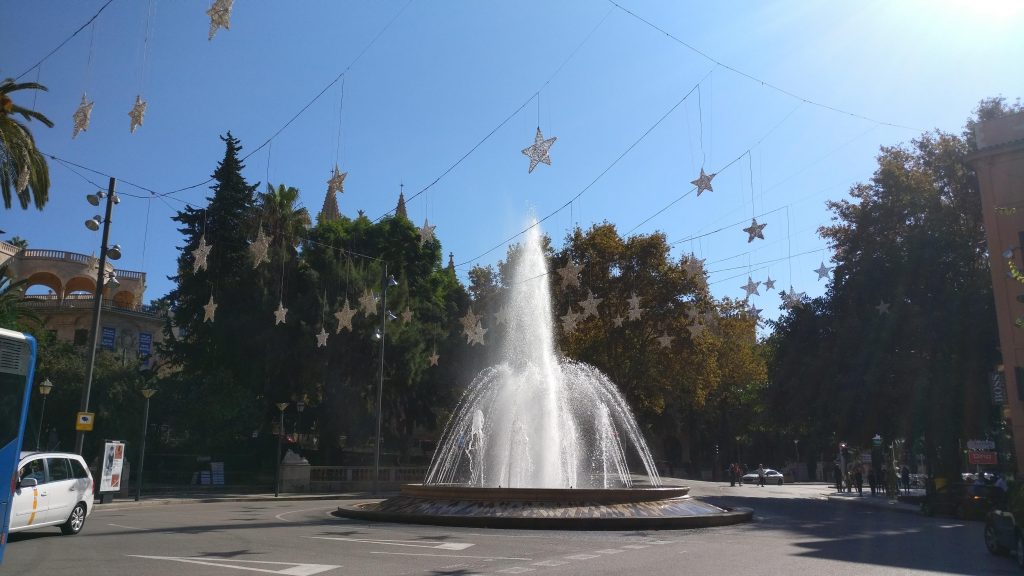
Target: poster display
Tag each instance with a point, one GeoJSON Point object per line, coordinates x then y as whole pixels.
{"type": "Point", "coordinates": [113, 462]}
{"type": "Point", "coordinates": [107, 338]}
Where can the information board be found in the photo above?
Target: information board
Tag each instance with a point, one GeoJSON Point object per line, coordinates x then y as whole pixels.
{"type": "Point", "coordinates": [107, 338]}
{"type": "Point", "coordinates": [113, 463]}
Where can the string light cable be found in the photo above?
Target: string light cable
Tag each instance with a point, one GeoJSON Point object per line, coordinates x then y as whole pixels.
{"type": "Point", "coordinates": [66, 40]}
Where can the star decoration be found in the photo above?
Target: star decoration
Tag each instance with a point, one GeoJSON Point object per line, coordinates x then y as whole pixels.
{"type": "Point", "coordinates": [695, 330]}
{"type": "Point", "coordinates": [590, 306]}
{"type": "Point", "coordinates": [433, 358]}
{"type": "Point", "coordinates": [822, 270]}
{"type": "Point", "coordinates": [209, 310]}
{"type": "Point", "coordinates": [426, 232]}
{"type": "Point", "coordinates": [469, 320]}
{"type": "Point", "coordinates": [81, 117]}
{"type": "Point", "coordinates": [344, 316]}
{"type": "Point", "coordinates": [200, 253]}
{"type": "Point", "coordinates": [406, 315]}
{"type": "Point", "coordinates": [769, 284]}
{"type": "Point", "coordinates": [368, 303]}
{"type": "Point", "coordinates": [634, 301]}
{"type": "Point", "coordinates": [280, 313]}
{"type": "Point", "coordinates": [793, 299]}
{"type": "Point", "coordinates": [321, 338]}
{"type": "Point", "coordinates": [692, 313]}
{"type": "Point", "coordinates": [501, 316]}
{"type": "Point", "coordinates": [570, 273]}
{"type": "Point", "coordinates": [694, 265]}
{"type": "Point", "coordinates": [137, 112]}
{"type": "Point", "coordinates": [635, 313]}
{"type": "Point", "coordinates": [569, 321]}
{"type": "Point", "coordinates": [220, 16]}
{"type": "Point", "coordinates": [703, 182]}
{"type": "Point", "coordinates": [883, 307]}
{"type": "Point", "coordinates": [337, 181]}
{"type": "Point", "coordinates": [755, 230]}
{"type": "Point", "coordinates": [751, 287]}
{"type": "Point", "coordinates": [665, 340]}
{"type": "Point", "coordinates": [259, 249]}
{"type": "Point", "coordinates": [475, 335]}
{"type": "Point", "coordinates": [539, 151]}
{"type": "Point", "coordinates": [617, 321]}
{"type": "Point", "coordinates": [755, 312]}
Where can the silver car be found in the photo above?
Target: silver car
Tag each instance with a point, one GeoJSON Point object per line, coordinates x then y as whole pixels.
{"type": "Point", "coordinates": [770, 477]}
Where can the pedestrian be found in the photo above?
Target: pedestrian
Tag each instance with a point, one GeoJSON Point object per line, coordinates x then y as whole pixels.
{"type": "Point", "coordinates": [760, 474]}
{"type": "Point", "coordinates": [732, 474]}
{"type": "Point", "coordinates": [872, 480]}
{"type": "Point", "coordinates": [858, 479]}
{"type": "Point", "coordinates": [905, 477]}
{"type": "Point", "coordinates": [837, 475]}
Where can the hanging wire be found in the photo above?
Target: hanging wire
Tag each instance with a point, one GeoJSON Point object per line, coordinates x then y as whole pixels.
{"type": "Point", "coordinates": [66, 40]}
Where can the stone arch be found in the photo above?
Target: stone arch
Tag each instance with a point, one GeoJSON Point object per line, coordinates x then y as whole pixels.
{"type": "Point", "coordinates": [80, 284]}
{"type": "Point", "coordinates": [124, 299]}
{"type": "Point", "coordinates": [47, 279]}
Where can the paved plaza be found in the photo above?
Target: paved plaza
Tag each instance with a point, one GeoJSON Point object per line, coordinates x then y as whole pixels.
{"type": "Point", "coordinates": [797, 529]}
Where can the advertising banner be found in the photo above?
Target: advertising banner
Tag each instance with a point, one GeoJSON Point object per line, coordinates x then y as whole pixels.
{"type": "Point", "coordinates": [107, 338]}
{"type": "Point", "coordinates": [982, 458]}
{"type": "Point", "coordinates": [113, 462]}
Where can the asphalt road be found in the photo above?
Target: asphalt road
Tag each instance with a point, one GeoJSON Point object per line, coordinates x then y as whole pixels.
{"type": "Point", "coordinates": [795, 532]}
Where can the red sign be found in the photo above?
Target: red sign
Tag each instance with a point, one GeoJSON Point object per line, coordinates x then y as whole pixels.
{"type": "Point", "coordinates": [978, 457]}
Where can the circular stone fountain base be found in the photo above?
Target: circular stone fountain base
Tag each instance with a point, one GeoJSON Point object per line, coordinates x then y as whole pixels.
{"type": "Point", "coordinates": [546, 508]}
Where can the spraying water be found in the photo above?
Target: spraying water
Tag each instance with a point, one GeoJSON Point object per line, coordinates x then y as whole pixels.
{"type": "Point", "coordinates": [534, 421]}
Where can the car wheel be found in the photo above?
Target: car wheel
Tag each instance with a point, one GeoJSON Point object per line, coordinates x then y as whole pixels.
{"type": "Point", "coordinates": [75, 521]}
{"type": "Point", "coordinates": [992, 541]}
{"type": "Point", "coordinates": [780, 481]}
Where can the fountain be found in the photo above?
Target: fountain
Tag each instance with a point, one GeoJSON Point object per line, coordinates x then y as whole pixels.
{"type": "Point", "coordinates": [540, 441]}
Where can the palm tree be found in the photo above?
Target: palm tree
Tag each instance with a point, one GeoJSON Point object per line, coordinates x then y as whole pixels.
{"type": "Point", "coordinates": [22, 167]}
{"type": "Point", "coordinates": [280, 216]}
{"type": "Point", "coordinates": [13, 312]}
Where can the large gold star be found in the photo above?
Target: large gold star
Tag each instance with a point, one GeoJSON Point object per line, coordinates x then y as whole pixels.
{"type": "Point", "coordinates": [433, 358]}
{"type": "Point", "coordinates": [368, 303]}
{"type": "Point", "coordinates": [220, 16]}
{"type": "Point", "coordinates": [476, 335]}
{"type": "Point", "coordinates": [209, 310]}
{"type": "Point", "coordinates": [538, 152]}
{"type": "Point", "coordinates": [469, 320]}
{"type": "Point", "coordinates": [81, 117]}
{"type": "Point", "coordinates": [280, 313]}
{"type": "Point", "coordinates": [137, 112]}
{"type": "Point", "coordinates": [755, 230]}
{"type": "Point", "coordinates": [200, 254]}
{"type": "Point", "coordinates": [344, 316]}
{"type": "Point", "coordinates": [259, 249]}
{"type": "Point", "coordinates": [337, 181]}
{"type": "Point", "coordinates": [590, 306]}
{"type": "Point", "coordinates": [570, 273]}
{"type": "Point", "coordinates": [426, 232]}
{"type": "Point", "coordinates": [569, 321]}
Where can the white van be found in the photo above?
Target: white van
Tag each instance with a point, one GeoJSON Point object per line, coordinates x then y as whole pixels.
{"type": "Point", "coordinates": [53, 489]}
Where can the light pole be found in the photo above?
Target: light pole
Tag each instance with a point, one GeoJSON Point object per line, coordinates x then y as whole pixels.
{"type": "Point", "coordinates": [147, 393]}
{"type": "Point", "coordinates": [388, 282]}
{"type": "Point", "coordinates": [281, 407]}
{"type": "Point", "coordinates": [44, 391]}
{"type": "Point", "coordinates": [114, 252]}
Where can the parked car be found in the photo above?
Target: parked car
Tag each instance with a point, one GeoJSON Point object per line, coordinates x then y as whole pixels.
{"type": "Point", "coordinates": [966, 501]}
{"type": "Point", "coordinates": [1002, 532]}
{"type": "Point", "coordinates": [770, 476]}
{"type": "Point", "coordinates": [52, 489]}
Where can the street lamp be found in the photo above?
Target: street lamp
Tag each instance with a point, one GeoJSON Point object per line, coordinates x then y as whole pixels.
{"type": "Point", "coordinates": [147, 393]}
{"type": "Point", "coordinates": [44, 391]}
{"type": "Point", "coordinates": [388, 282]}
{"type": "Point", "coordinates": [281, 406]}
{"type": "Point", "coordinates": [114, 253]}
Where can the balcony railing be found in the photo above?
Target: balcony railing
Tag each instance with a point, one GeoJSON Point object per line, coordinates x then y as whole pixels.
{"type": "Point", "coordinates": [85, 301]}
{"type": "Point", "coordinates": [32, 253]}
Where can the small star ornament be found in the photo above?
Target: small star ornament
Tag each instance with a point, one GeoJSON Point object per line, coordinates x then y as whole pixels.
{"type": "Point", "coordinates": [751, 287]}
{"type": "Point", "coordinates": [695, 330]}
{"type": "Point", "coordinates": [426, 232]}
{"type": "Point", "coordinates": [883, 307]}
{"type": "Point", "coordinates": [337, 181]}
{"type": "Point", "coordinates": [406, 315]}
{"type": "Point", "coordinates": [200, 254]}
{"type": "Point", "coordinates": [344, 316]}
{"type": "Point", "coordinates": [220, 16]}
{"type": "Point", "coordinates": [368, 303]}
{"type": "Point", "coordinates": [280, 314]}
{"type": "Point", "coordinates": [501, 316]}
{"type": "Point", "coordinates": [703, 182]}
{"type": "Point", "coordinates": [665, 340]}
{"type": "Point", "coordinates": [470, 320]}
{"type": "Point", "coordinates": [694, 265]}
{"type": "Point", "coordinates": [538, 152]}
{"type": "Point", "coordinates": [433, 358]}
{"type": "Point", "coordinates": [259, 249]}
{"type": "Point", "coordinates": [617, 321]}
{"type": "Point", "coordinates": [569, 321]}
{"type": "Point", "coordinates": [590, 306]}
{"type": "Point", "coordinates": [692, 313]}
{"type": "Point", "coordinates": [81, 117]}
{"type": "Point", "coordinates": [209, 310]}
{"type": "Point", "coordinates": [570, 274]}
{"type": "Point", "coordinates": [755, 230]}
{"type": "Point", "coordinates": [754, 312]}
{"type": "Point", "coordinates": [137, 112]}
{"type": "Point", "coordinates": [476, 335]}
{"type": "Point", "coordinates": [321, 338]}
{"type": "Point", "coordinates": [769, 284]}
{"type": "Point", "coordinates": [823, 270]}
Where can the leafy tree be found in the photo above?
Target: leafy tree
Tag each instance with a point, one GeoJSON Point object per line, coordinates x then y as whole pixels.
{"type": "Point", "coordinates": [14, 312]}
{"type": "Point", "coordinates": [23, 168]}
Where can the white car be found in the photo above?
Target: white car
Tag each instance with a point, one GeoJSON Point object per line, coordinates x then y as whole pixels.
{"type": "Point", "coordinates": [770, 477]}
{"type": "Point", "coordinates": [52, 489]}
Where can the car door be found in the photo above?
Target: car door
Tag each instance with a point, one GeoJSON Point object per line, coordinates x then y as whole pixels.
{"type": "Point", "coordinates": [60, 488]}
{"type": "Point", "coordinates": [29, 503]}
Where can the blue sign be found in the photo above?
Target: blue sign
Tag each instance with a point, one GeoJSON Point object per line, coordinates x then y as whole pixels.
{"type": "Point", "coordinates": [107, 340]}
{"type": "Point", "coordinates": [145, 344]}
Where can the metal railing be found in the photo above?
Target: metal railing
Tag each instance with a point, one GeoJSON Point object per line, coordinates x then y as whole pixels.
{"type": "Point", "coordinates": [85, 302]}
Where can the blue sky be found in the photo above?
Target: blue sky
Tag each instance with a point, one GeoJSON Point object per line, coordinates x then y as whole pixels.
{"type": "Point", "coordinates": [444, 74]}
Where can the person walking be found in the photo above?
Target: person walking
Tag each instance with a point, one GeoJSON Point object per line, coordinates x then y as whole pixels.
{"type": "Point", "coordinates": [732, 474]}
{"type": "Point", "coordinates": [905, 477]}
{"type": "Point", "coordinates": [872, 480]}
{"type": "Point", "coordinates": [837, 475]}
{"type": "Point", "coordinates": [858, 479]}
{"type": "Point", "coordinates": [760, 474]}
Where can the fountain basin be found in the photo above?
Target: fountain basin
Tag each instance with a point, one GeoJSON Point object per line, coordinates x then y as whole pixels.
{"type": "Point", "coordinates": [546, 508]}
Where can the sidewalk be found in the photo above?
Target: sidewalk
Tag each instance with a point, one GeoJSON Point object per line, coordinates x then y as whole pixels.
{"type": "Point", "coordinates": [878, 501]}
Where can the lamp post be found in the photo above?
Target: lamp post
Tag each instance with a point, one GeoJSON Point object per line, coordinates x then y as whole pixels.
{"type": "Point", "coordinates": [114, 252]}
{"type": "Point", "coordinates": [281, 407]}
{"type": "Point", "coordinates": [388, 282]}
{"type": "Point", "coordinates": [147, 393]}
{"type": "Point", "coordinates": [44, 391]}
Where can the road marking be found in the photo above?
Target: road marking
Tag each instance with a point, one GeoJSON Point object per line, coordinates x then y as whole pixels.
{"type": "Point", "coordinates": [450, 556]}
{"type": "Point", "coordinates": [610, 551]}
{"type": "Point", "coordinates": [295, 568]}
{"type": "Point", "coordinates": [582, 556]}
{"type": "Point", "coordinates": [550, 563]}
{"type": "Point", "coordinates": [412, 543]}
{"type": "Point", "coordinates": [636, 546]}
{"type": "Point", "coordinates": [516, 570]}
{"type": "Point", "coordinates": [123, 526]}
{"type": "Point", "coordinates": [279, 516]}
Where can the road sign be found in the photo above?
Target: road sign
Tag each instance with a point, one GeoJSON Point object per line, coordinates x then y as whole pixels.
{"type": "Point", "coordinates": [981, 445]}
{"type": "Point", "coordinates": [84, 421]}
{"type": "Point", "coordinates": [978, 457]}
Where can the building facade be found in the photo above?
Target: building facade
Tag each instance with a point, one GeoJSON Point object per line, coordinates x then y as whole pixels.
{"type": "Point", "coordinates": [999, 163]}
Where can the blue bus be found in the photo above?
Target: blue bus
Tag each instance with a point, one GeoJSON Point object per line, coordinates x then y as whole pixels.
{"type": "Point", "coordinates": [17, 362]}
